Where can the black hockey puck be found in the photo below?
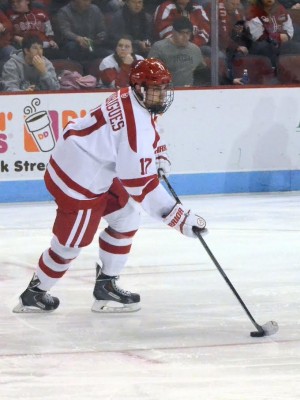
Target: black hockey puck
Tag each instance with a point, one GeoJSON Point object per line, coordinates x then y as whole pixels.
{"type": "Point", "coordinates": [257, 334]}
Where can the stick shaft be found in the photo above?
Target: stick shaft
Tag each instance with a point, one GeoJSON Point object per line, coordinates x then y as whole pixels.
{"type": "Point", "coordinates": [214, 260]}
{"type": "Point", "coordinates": [174, 194]}
{"type": "Point", "coordinates": [227, 280]}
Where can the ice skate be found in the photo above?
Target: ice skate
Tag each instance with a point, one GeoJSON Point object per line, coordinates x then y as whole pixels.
{"type": "Point", "coordinates": [35, 300]}
{"type": "Point", "coordinates": [110, 298]}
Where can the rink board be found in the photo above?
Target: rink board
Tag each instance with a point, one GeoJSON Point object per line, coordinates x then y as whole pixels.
{"type": "Point", "coordinates": [220, 141]}
{"type": "Point", "coordinates": [186, 184]}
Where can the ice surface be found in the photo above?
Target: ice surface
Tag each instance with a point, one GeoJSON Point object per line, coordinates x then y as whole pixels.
{"type": "Point", "coordinates": [191, 340]}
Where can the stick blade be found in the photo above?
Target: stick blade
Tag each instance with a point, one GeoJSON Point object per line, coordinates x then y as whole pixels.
{"type": "Point", "coordinates": [270, 328]}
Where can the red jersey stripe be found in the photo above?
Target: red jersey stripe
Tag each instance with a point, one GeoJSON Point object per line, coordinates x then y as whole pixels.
{"type": "Point", "coordinates": [100, 121]}
{"type": "Point", "coordinates": [63, 199]}
{"type": "Point", "coordinates": [138, 181]}
{"type": "Point", "coordinates": [156, 140]}
{"type": "Point", "coordinates": [130, 121]}
{"type": "Point", "coordinates": [70, 183]}
{"type": "Point", "coordinates": [151, 186]}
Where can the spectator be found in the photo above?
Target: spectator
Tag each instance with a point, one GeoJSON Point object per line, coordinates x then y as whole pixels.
{"type": "Point", "coordinates": [115, 69]}
{"type": "Point", "coordinates": [132, 20]}
{"type": "Point", "coordinates": [232, 33]}
{"type": "Point", "coordinates": [234, 38]}
{"type": "Point", "coordinates": [81, 26]}
{"type": "Point", "coordinates": [5, 37]}
{"type": "Point", "coordinates": [293, 7]}
{"type": "Point", "coordinates": [170, 10]}
{"type": "Point", "coordinates": [271, 29]}
{"type": "Point", "coordinates": [27, 19]}
{"type": "Point", "coordinates": [28, 69]}
{"type": "Point", "coordinates": [181, 57]}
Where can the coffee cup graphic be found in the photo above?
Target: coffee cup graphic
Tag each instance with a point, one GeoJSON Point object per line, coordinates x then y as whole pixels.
{"type": "Point", "coordinates": [39, 126]}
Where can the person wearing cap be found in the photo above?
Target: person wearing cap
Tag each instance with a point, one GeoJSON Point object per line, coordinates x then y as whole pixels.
{"type": "Point", "coordinates": [170, 10]}
{"type": "Point", "coordinates": [180, 55]}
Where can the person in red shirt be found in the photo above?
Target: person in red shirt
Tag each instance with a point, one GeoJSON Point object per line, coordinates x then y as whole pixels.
{"type": "Point", "coordinates": [271, 28]}
{"type": "Point", "coordinates": [27, 19]}
{"type": "Point", "coordinates": [115, 69]}
{"type": "Point", "coordinates": [170, 10]}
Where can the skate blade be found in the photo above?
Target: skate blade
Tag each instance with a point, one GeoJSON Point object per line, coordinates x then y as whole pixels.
{"type": "Point", "coordinates": [21, 309]}
{"type": "Point", "coordinates": [106, 306]}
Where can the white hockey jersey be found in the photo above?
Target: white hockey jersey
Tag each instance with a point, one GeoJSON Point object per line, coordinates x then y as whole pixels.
{"type": "Point", "coordinates": [116, 140]}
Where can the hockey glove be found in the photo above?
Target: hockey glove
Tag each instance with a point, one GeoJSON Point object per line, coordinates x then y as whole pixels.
{"type": "Point", "coordinates": [163, 164]}
{"type": "Point", "coordinates": [183, 221]}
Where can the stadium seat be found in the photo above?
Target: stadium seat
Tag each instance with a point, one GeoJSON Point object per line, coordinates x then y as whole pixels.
{"type": "Point", "coordinates": [92, 68]}
{"type": "Point", "coordinates": [259, 68]}
{"type": "Point", "coordinates": [289, 68]}
{"type": "Point", "coordinates": [70, 65]}
{"type": "Point", "coordinates": [207, 74]}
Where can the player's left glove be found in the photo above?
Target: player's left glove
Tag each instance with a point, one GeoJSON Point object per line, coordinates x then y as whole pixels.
{"type": "Point", "coordinates": [184, 221]}
{"type": "Point", "coordinates": [163, 164]}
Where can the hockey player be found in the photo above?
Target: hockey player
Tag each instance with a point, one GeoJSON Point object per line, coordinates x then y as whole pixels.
{"type": "Point", "coordinates": [101, 163]}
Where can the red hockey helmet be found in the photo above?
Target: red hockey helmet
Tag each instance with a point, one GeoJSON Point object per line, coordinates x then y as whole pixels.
{"type": "Point", "coordinates": [148, 73]}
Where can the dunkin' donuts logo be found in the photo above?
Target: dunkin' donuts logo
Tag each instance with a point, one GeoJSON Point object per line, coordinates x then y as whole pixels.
{"type": "Point", "coordinates": [4, 118]}
{"type": "Point", "coordinates": [40, 128]}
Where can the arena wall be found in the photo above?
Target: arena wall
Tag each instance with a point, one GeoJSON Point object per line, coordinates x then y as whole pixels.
{"type": "Point", "coordinates": [220, 140]}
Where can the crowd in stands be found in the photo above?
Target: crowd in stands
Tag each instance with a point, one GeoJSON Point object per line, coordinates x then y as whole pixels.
{"type": "Point", "coordinates": [106, 36]}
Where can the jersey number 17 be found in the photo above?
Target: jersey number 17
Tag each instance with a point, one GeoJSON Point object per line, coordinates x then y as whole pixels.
{"type": "Point", "coordinates": [145, 162]}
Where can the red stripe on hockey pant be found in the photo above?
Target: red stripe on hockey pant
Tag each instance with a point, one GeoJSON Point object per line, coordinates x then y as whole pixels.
{"type": "Point", "coordinates": [114, 249]}
{"type": "Point", "coordinates": [58, 259]}
{"type": "Point", "coordinates": [130, 121]}
{"type": "Point", "coordinates": [119, 235]}
{"type": "Point", "coordinates": [70, 183]}
{"type": "Point", "coordinates": [79, 228]}
{"type": "Point", "coordinates": [48, 271]}
{"type": "Point", "coordinates": [65, 221]}
{"type": "Point", "coordinates": [100, 121]}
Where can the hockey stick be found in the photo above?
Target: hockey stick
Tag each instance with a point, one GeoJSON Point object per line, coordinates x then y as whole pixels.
{"type": "Point", "coordinates": [269, 328]}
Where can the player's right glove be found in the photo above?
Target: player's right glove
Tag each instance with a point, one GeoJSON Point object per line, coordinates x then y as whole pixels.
{"type": "Point", "coordinates": [184, 221]}
{"type": "Point", "coordinates": [163, 164]}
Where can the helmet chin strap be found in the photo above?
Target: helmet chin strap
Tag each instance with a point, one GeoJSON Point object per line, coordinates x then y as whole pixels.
{"type": "Point", "coordinates": [143, 93]}
{"type": "Point", "coordinates": [139, 96]}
